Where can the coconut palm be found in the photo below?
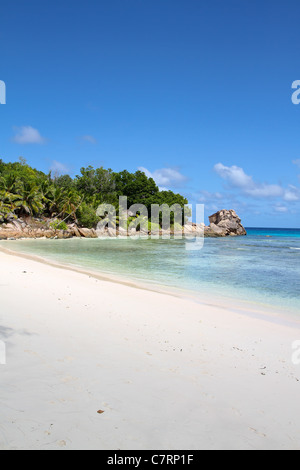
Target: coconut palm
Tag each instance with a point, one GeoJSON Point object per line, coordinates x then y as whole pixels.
{"type": "Point", "coordinates": [8, 203]}
{"type": "Point", "coordinates": [63, 203]}
{"type": "Point", "coordinates": [30, 200]}
{"type": "Point", "coordinates": [70, 203]}
{"type": "Point", "coordinates": [46, 189]}
{"type": "Point", "coordinates": [56, 200]}
{"type": "Point", "coordinates": [10, 183]}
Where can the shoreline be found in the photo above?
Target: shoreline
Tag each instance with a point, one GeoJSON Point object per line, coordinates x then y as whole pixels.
{"type": "Point", "coordinates": [271, 313]}
{"type": "Point", "coordinates": [167, 372]}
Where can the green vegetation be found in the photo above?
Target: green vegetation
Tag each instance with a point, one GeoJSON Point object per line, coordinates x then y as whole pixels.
{"type": "Point", "coordinates": [58, 225]}
{"type": "Point", "coordinates": [26, 192]}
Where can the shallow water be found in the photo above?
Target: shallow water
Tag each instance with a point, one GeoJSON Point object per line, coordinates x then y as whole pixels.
{"type": "Point", "coordinates": [263, 267]}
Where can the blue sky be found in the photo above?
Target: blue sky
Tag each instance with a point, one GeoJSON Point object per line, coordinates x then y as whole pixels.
{"type": "Point", "coordinates": [196, 92]}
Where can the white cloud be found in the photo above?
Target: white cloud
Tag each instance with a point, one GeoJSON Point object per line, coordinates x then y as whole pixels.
{"type": "Point", "coordinates": [28, 135]}
{"type": "Point", "coordinates": [297, 162]}
{"type": "Point", "coordinates": [212, 208]}
{"type": "Point", "coordinates": [206, 196]}
{"type": "Point", "coordinates": [59, 168]}
{"type": "Point", "coordinates": [291, 194]}
{"type": "Point", "coordinates": [234, 175]}
{"type": "Point", "coordinates": [90, 139]}
{"type": "Point", "coordinates": [215, 201]}
{"type": "Point", "coordinates": [281, 209]}
{"type": "Point", "coordinates": [265, 191]}
{"type": "Point", "coordinates": [237, 178]}
{"type": "Point", "coordinates": [166, 177]}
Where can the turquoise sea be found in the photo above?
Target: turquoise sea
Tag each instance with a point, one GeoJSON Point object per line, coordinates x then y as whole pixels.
{"type": "Point", "coordinates": [263, 267]}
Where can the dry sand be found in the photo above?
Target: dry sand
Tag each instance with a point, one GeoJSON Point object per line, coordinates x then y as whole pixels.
{"type": "Point", "coordinates": [168, 373]}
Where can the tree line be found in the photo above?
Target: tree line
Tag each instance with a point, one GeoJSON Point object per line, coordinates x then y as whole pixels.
{"type": "Point", "coordinates": [26, 192]}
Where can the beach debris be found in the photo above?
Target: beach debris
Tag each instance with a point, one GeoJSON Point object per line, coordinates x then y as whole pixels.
{"type": "Point", "coordinates": [100, 412]}
{"type": "Point", "coordinates": [257, 432]}
{"type": "Point", "coordinates": [62, 443]}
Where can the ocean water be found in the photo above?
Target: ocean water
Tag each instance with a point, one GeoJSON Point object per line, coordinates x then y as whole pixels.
{"type": "Point", "coordinates": [262, 268]}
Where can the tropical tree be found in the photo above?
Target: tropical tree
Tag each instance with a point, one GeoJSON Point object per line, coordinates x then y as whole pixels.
{"type": "Point", "coordinates": [69, 204]}
{"type": "Point", "coordinates": [8, 203]}
{"type": "Point", "coordinates": [30, 201]}
{"type": "Point", "coordinates": [11, 183]}
{"type": "Point", "coordinates": [138, 188]}
{"type": "Point", "coordinates": [25, 191]}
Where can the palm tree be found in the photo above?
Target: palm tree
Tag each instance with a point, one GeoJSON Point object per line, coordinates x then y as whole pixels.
{"type": "Point", "coordinates": [10, 183]}
{"type": "Point", "coordinates": [64, 203]}
{"type": "Point", "coordinates": [56, 200]}
{"type": "Point", "coordinates": [9, 203]}
{"type": "Point", "coordinates": [70, 203]}
{"type": "Point", "coordinates": [46, 189]}
{"type": "Point", "coordinates": [30, 199]}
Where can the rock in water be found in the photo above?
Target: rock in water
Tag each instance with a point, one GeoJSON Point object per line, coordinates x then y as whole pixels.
{"type": "Point", "coordinates": [226, 223]}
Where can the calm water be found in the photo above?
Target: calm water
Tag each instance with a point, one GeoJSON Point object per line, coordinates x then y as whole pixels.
{"type": "Point", "coordinates": [263, 267]}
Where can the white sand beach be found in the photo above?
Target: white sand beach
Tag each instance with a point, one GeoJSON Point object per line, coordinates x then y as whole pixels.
{"type": "Point", "coordinates": [167, 372]}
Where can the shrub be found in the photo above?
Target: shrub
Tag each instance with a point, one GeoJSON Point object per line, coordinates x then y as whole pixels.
{"type": "Point", "coordinates": [58, 225]}
{"type": "Point", "coordinates": [87, 217]}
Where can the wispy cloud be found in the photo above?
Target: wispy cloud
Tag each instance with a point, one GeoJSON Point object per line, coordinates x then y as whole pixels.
{"type": "Point", "coordinates": [265, 191]}
{"type": "Point", "coordinates": [237, 178]}
{"type": "Point", "coordinates": [59, 168]}
{"type": "Point", "coordinates": [215, 201]}
{"type": "Point", "coordinates": [291, 194]}
{"type": "Point", "coordinates": [206, 196]}
{"type": "Point", "coordinates": [281, 209]}
{"type": "Point", "coordinates": [166, 178]}
{"type": "Point", "coordinates": [90, 139]}
{"type": "Point", "coordinates": [28, 135]}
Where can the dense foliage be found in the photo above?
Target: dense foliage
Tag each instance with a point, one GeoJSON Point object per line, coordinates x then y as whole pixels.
{"type": "Point", "coordinates": [26, 192]}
